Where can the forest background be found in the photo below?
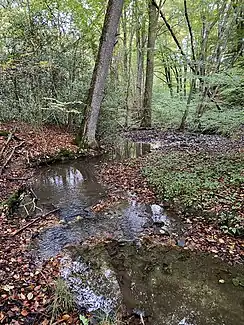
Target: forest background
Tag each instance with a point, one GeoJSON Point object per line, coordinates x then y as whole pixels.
{"type": "Point", "coordinates": [48, 50]}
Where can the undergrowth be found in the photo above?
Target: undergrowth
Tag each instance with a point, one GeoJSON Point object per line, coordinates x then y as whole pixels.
{"type": "Point", "coordinates": [168, 112]}
{"type": "Point", "coordinates": [200, 182]}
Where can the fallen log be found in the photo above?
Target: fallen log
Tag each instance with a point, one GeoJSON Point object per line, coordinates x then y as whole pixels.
{"type": "Point", "coordinates": [34, 221]}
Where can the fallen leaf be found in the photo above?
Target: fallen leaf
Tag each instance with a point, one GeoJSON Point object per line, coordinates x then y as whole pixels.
{"type": "Point", "coordinates": [24, 312]}
{"type": "Point", "coordinates": [7, 287]}
{"type": "Point", "coordinates": [65, 317]}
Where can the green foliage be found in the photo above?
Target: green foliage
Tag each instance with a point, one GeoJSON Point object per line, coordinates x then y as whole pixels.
{"type": "Point", "coordinates": [192, 180]}
{"type": "Point", "coordinates": [231, 87]}
{"type": "Point", "coordinates": [231, 223]}
{"type": "Point", "coordinates": [48, 51]}
{"type": "Point", "coordinates": [42, 59]}
{"type": "Point", "coordinates": [84, 320]}
{"type": "Point", "coordinates": [113, 113]}
{"type": "Point", "coordinates": [168, 112]}
{"type": "Point", "coordinates": [226, 122]}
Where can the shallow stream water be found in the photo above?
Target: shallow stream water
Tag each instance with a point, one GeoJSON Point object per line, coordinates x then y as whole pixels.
{"type": "Point", "coordinates": [161, 285]}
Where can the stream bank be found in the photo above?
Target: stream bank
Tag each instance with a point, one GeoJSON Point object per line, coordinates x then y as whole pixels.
{"type": "Point", "coordinates": [142, 234]}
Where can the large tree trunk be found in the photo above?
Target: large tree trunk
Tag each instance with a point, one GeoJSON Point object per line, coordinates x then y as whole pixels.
{"type": "Point", "coordinates": [88, 129]}
{"type": "Point", "coordinates": [152, 33]}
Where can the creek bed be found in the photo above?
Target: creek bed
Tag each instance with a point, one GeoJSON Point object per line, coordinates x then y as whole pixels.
{"type": "Point", "coordinates": [158, 284]}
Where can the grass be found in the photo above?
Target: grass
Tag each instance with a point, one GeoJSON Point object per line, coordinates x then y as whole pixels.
{"type": "Point", "coordinates": [63, 301]}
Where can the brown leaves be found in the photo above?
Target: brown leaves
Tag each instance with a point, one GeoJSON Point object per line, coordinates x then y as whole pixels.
{"type": "Point", "coordinates": [36, 145]}
{"type": "Point", "coordinates": [124, 178]}
{"type": "Point", "coordinates": [24, 312]}
{"type": "Point", "coordinates": [26, 291]}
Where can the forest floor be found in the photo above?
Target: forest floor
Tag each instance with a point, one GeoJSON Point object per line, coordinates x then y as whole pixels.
{"type": "Point", "coordinates": [27, 290]}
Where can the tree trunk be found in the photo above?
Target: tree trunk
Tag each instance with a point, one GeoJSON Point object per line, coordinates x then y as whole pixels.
{"type": "Point", "coordinates": [87, 133]}
{"type": "Point", "coordinates": [152, 33]}
{"type": "Point", "coordinates": [184, 117]}
{"type": "Point", "coordinates": [168, 79]}
{"type": "Point", "coordinates": [140, 43]}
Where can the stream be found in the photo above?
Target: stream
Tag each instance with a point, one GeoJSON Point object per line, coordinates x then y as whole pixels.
{"type": "Point", "coordinates": [160, 285]}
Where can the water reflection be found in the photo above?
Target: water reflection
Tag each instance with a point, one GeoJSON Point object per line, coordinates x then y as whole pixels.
{"type": "Point", "coordinates": [167, 286]}
{"type": "Point", "coordinates": [128, 149]}
{"type": "Point", "coordinates": [71, 187]}
{"type": "Point", "coordinates": [125, 222]}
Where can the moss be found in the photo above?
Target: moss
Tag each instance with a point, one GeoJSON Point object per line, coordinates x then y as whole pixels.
{"type": "Point", "coordinates": [65, 153]}
{"type": "Point", "coordinates": [13, 202]}
{"type": "Point", "coordinates": [4, 133]}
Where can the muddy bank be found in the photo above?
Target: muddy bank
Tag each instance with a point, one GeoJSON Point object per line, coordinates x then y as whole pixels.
{"type": "Point", "coordinates": [171, 140]}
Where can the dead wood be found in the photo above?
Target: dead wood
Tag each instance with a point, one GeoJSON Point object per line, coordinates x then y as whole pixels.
{"type": "Point", "coordinates": [10, 156]}
{"type": "Point", "coordinates": [10, 136]}
{"type": "Point", "coordinates": [34, 221]}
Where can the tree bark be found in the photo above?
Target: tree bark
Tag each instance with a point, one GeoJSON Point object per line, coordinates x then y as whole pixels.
{"type": "Point", "coordinates": [184, 117]}
{"type": "Point", "coordinates": [87, 133]}
{"type": "Point", "coordinates": [140, 43]}
{"type": "Point", "coordinates": [152, 33]}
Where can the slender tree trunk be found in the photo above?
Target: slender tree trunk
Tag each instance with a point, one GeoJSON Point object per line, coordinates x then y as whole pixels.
{"type": "Point", "coordinates": [88, 129]}
{"type": "Point", "coordinates": [152, 33]}
{"type": "Point", "coordinates": [185, 80]}
{"type": "Point", "coordinates": [176, 73]}
{"type": "Point", "coordinates": [141, 41]}
{"type": "Point", "coordinates": [128, 87]}
{"type": "Point", "coordinates": [184, 117]}
{"type": "Point", "coordinates": [168, 79]}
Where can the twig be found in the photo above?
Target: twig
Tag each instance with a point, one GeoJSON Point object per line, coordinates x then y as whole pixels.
{"type": "Point", "coordinates": [27, 212]}
{"type": "Point", "coordinates": [16, 179]}
{"type": "Point", "coordinates": [33, 193]}
{"type": "Point", "coordinates": [142, 320]}
{"type": "Point", "coordinates": [27, 157]}
{"type": "Point", "coordinates": [35, 207]}
{"type": "Point", "coordinates": [10, 156]}
{"type": "Point", "coordinates": [33, 221]}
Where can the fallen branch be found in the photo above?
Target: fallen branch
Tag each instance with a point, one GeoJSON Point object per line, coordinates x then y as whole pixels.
{"type": "Point", "coordinates": [16, 179]}
{"type": "Point", "coordinates": [33, 221]}
{"type": "Point", "coordinates": [142, 320]}
{"type": "Point", "coordinates": [10, 156]}
{"type": "Point", "coordinates": [10, 136]}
